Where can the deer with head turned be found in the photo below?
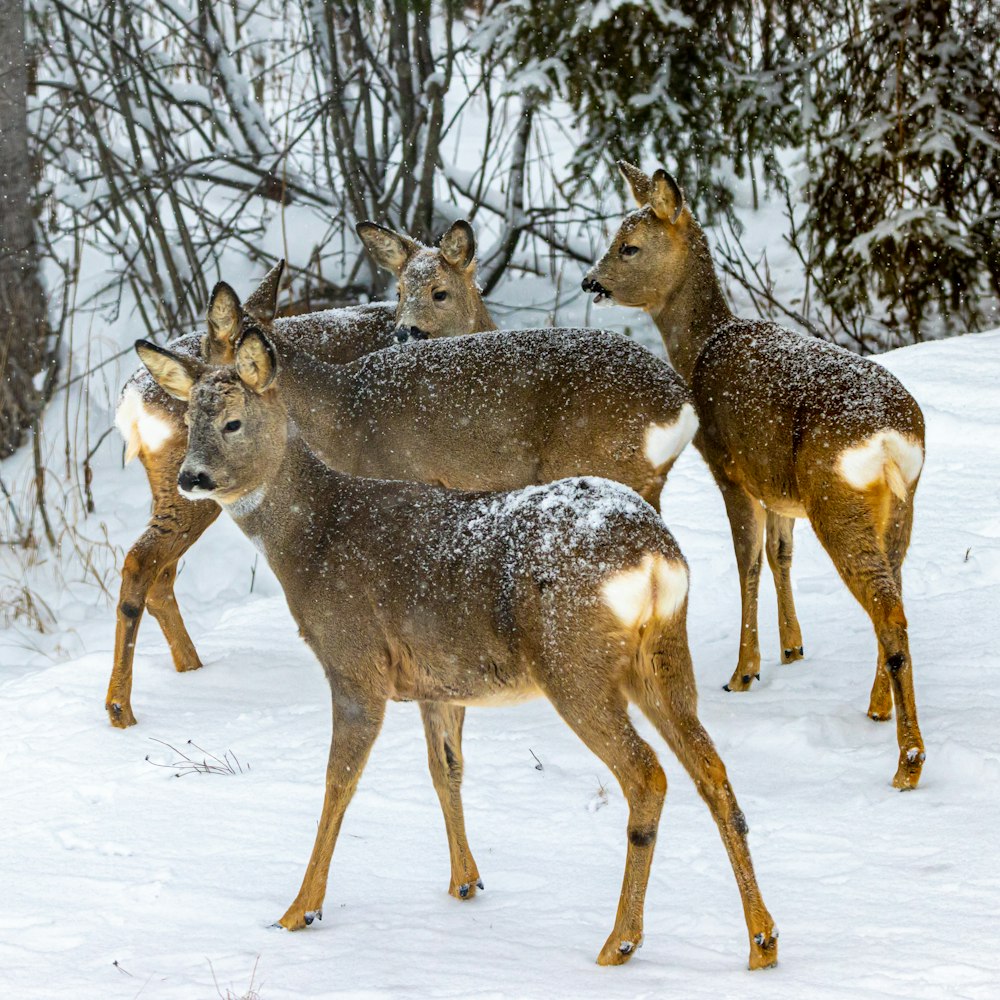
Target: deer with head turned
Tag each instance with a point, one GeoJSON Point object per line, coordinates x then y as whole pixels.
{"type": "Point", "coordinates": [436, 285]}
{"type": "Point", "coordinates": [412, 592]}
{"type": "Point", "coordinates": [790, 427]}
{"type": "Point", "coordinates": [152, 424]}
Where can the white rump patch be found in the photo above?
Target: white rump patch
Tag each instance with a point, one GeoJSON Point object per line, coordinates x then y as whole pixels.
{"type": "Point", "coordinates": [873, 460]}
{"type": "Point", "coordinates": [664, 442]}
{"type": "Point", "coordinates": [139, 426]}
{"type": "Point", "coordinates": [656, 588]}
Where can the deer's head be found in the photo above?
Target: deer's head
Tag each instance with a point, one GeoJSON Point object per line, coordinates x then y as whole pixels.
{"type": "Point", "coordinates": [438, 296]}
{"type": "Point", "coordinates": [237, 423]}
{"type": "Point", "coordinates": [228, 318]}
{"type": "Point", "coordinates": [646, 259]}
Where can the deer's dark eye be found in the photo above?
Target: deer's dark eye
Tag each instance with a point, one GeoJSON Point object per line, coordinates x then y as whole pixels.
{"type": "Point", "coordinates": [629, 251]}
{"type": "Point", "coordinates": [440, 295]}
{"type": "Point", "coordinates": [233, 425]}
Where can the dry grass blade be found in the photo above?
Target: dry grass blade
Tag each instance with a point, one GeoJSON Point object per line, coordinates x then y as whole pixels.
{"type": "Point", "coordinates": [209, 763]}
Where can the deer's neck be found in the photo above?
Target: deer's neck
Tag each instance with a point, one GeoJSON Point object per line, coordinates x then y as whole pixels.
{"type": "Point", "coordinates": [482, 321]}
{"type": "Point", "coordinates": [318, 396]}
{"type": "Point", "coordinates": [694, 310]}
{"type": "Point", "coordinates": [281, 515]}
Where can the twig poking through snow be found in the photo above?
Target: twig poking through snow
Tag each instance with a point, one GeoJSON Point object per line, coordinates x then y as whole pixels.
{"type": "Point", "coordinates": [228, 763]}
{"type": "Point", "coordinates": [538, 766]}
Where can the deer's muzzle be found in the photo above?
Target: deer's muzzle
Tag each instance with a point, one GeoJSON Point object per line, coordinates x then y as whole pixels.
{"type": "Point", "coordinates": [590, 284]}
{"type": "Point", "coordinates": [408, 334]}
{"type": "Point", "coordinates": [195, 482]}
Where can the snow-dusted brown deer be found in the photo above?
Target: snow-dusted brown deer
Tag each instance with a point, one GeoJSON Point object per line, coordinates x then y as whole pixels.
{"type": "Point", "coordinates": [438, 294]}
{"type": "Point", "coordinates": [790, 427]}
{"type": "Point", "coordinates": [496, 411]}
{"type": "Point", "coordinates": [407, 591]}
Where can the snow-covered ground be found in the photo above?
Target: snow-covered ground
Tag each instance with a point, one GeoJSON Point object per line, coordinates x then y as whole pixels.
{"type": "Point", "coordinates": [118, 879]}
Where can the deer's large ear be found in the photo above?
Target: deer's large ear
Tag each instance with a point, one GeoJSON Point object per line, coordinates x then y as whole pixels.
{"type": "Point", "coordinates": [263, 303]}
{"type": "Point", "coordinates": [388, 249]}
{"type": "Point", "coordinates": [638, 182]}
{"type": "Point", "coordinates": [666, 197]}
{"type": "Point", "coordinates": [224, 314]}
{"type": "Point", "coordinates": [174, 373]}
{"type": "Point", "coordinates": [458, 245]}
{"type": "Point", "coordinates": [256, 361]}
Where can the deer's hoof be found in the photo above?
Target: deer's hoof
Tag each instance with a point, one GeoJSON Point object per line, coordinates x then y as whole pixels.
{"type": "Point", "coordinates": [911, 763]}
{"type": "Point", "coordinates": [792, 654]}
{"type": "Point", "coordinates": [120, 714]}
{"type": "Point", "coordinates": [764, 950]}
{"type": "Point", "coordinates": [617, 951]}
{"type": "Point", "coordinates": [741, 681]}
{"type": "Point", "coordinates": [296, 918]}
{"type": "Point", "coordinates": [467, 890]}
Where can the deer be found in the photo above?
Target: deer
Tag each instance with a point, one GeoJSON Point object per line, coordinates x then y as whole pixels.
{"type": "Point", "coordinates": [790, 427]}
{"type": "Point", "coordinates": [152, 425]}
{"type": "Point", "coordinates": [438, 294]}
{"type": "Point", "coordinates": [408, 591]}
{"type": "Point", "coordinates": [500, 410]}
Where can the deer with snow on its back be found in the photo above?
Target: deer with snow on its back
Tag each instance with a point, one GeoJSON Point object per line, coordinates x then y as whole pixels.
{"type": "Point", "coordinates": [407, 591]}
{"type": "Point", "coordinates": [790, 427]}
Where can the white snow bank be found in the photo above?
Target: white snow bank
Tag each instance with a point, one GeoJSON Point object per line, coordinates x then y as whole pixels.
{"type": "Point", "coordinates": [105, 858]}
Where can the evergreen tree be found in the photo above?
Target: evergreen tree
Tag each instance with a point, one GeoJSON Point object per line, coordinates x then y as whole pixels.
{"type": "Point", "coordinates": [693, 83]}
{"type": "Point", "coordinates": [906, 163]}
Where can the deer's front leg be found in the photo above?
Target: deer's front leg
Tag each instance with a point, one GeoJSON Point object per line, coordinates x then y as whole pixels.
{"type": "Point", "coordinates": [443, 729]}
{"type": "Point", "coordinates": [746, 518]}
{"type": "Point", "coordinates": [356, 723]}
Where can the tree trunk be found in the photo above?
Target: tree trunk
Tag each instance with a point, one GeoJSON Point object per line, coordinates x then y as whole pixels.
{"type": "Point", "coordinates": [23, 311]}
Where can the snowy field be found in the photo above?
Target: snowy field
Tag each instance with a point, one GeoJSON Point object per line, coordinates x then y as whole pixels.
{"type": "Point", "coordinates": [119, 880]}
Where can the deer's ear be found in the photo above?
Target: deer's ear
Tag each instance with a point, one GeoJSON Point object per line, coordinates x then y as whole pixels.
{"type": "Point", "coordinates": [256, 361]}
{"type": "Point", "coordinates": [388, 249]}
{"type": "Point", "coordinates": [263, 303]}
{"type": "Point", "coordinates": [638, 182]}
{"type": "Point", "coordinates": [666, 197]}
{"type": "Point", "coordinates": [458, 245]}
{"type": "Point", "coordinates": [224, 314]}
{"type": "Point", "coordinates": [174, 373]}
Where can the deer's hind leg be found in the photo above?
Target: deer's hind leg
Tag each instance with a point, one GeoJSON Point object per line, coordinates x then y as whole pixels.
{"type": "Point", "coordinates": [600, 718]}
{"type": "Point", "coordinates": [443, 729]}
{"type": "Point", "coordinates": [664, 688]}
{"type": "Point", "coordinates": [850, 526]}
{"type": "Point", "coordinates": [895, 541]}
{"type": "Point", "coordinates": [779, 558]}
{"type": "Point", "coordinates": [147, 578]}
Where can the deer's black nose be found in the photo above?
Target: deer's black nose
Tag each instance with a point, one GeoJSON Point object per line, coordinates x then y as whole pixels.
{"type": "Point", "coordinates": [407, 334]}
{"type": "Point", "coordinates": [195, 482]}
{"type": "Point", "coordinates": [591, 285]}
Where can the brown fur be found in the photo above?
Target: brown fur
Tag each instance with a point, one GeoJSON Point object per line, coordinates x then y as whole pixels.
{"type": "Point", "coordinates": [503, 411]}
{"type": "Point", "coordinates": [436, 284]}
{"type": "Point", "coordinates": [778, 412]}
{"type": "Point", "coordinates": [411, 591]}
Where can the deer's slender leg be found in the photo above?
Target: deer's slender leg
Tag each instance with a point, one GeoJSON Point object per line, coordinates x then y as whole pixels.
{"type": "Point", "coordinates": [779, 558]}
{"type": "Point", "coordinates": [174, 527]}
{"type": "Point", "coordinates": [846, 523]}
{"type": "Point", "coordinates": [443, 729]}
{"type": "Point", "coordinates": [895, 540]}
{"type": "Point", "coordinates": [162, 605]}
{"type": "Point", "coordinates": [356, 723]}
{"type": "Point", "coordinates": [669, 700]}
{"type": "Point", "coordinates": [746, 519]}
{"type": "Point", "coordinates": [601, 720]}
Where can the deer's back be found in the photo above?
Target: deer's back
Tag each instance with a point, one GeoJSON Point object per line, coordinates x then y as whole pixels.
{"type": "Point", "coordinates": [771, 401]}
{"type": "Point", "coordinates": [459, 591]}
{"type": "Point", "coordinates": [509, 408]}
{"type": "Point", "coordinates": [340, 336]}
